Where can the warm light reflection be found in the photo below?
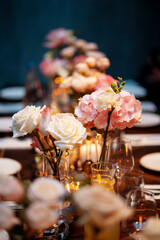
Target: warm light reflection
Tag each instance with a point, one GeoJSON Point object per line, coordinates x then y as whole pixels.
{"type": "Point", "coordinates": [72, 187]}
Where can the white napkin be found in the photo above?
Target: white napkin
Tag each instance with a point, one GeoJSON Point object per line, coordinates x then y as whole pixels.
{"type": "Point", "coordinates": [15, 143]}
{"type": "Point", "coordinates": [151, 139]}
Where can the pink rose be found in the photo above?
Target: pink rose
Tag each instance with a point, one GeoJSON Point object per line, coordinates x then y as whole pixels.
{"type": "Point", "coordinates": [44, 120]}
{"type": "Point", "coordinates": [104, 80]}
{"type": "Point", "coordinates": [57, 37]}
{"type": "Point", "coordinates": [11, 189]}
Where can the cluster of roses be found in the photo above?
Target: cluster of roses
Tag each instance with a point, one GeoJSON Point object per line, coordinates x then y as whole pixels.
{"type": "Point", "coordinates": [47, 195]}
{"type": "Point", "coordinates": [76, 60]}
{"type": "Point", "coordinates": [101, 207]}
{"type": "Point", "coordinates": [52, 134]}
{"type": "Point", "coordinates": [61, 130]}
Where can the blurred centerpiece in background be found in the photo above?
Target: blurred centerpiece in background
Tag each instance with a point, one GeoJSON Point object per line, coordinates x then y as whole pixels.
{"type": "Point", "coordinates": [74, 67]}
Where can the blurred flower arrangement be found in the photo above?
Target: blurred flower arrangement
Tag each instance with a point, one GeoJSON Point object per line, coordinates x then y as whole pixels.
{"type": "Point", "coordinates": [44, 196]}
{"type": "Point", "coordinates": [53, 134]}
{"type": "Point", "coordinates": [77, 64]}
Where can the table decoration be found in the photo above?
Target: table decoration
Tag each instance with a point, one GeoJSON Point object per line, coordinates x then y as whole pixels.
{"type": "Point", "coordinates": [101, 212]}
{"type": "Point", "coordinates": [103, 174]}
{"type": "Point", "coordinates": [52, 134]}
{"type": "Point", "coordinates": [107, 109]}
{"type": "Point", "coordinates": [41, 210]}
{"type": "Point", "coordinates": [73, 67]}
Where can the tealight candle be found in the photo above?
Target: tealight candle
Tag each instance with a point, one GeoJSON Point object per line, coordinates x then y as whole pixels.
{"type": "Point", "coordinates": [94, 152]}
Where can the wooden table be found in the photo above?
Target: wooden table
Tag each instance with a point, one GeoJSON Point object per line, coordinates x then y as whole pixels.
{"type": "Point", "coordinates": [26, 158]}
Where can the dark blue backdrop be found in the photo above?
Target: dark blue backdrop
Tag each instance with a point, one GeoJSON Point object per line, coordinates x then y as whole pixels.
{"type": "Point", "coordinates": [126, 30]}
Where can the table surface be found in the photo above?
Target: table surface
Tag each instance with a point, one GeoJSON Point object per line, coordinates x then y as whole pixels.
{"type": "Point", "coordinates": [26, 158]}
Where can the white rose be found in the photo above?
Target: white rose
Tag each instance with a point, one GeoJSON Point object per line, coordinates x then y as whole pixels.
{"type": "Point", "coordinates": [40, 216]}
{"type": "Point", "coordinates": [46, 190]}
{"type": "Point", "coordinates": [11, 189]}
{"type": "Point", "coordinates": [7, 218]}
{"type": "Point", "coordinates": [101, 206]}
{"type": "Point", "coordinates": [107, 100]}
{"type": "Point", "coordinates": [66, 130]}
{"type": "Point", "coordinates": [26, 120]}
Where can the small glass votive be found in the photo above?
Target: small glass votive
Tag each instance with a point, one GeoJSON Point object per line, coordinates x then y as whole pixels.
{"type": "Point", "coordinates": [103, 174]}
{"type": "Point", "coordinates": [132, 180]}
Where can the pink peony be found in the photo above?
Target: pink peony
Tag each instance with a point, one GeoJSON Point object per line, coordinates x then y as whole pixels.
{"type": "Point", "coordinates": [104, 80]}
{"type": "Point", "coordinates": [85, 111]}
{"type": "Point", "coordinates": [127, 110]}
{"type": "Point", "coordinates": [56, 38]}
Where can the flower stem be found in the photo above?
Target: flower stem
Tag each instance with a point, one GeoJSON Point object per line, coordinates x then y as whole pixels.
{"type": "Point", "coordinates": [104, 147]}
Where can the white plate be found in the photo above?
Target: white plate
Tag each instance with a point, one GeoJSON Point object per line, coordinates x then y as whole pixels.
{"type": "Point", "coordinates": [12, 93]}
{"type": "Point", "coordinates": [151, 161]}
{"type": "Point", "coordinates": [10, 108]}
{"type": "Point", "coordinates": [9, 166]}
{"type": "Point", "coordinates": [148, 106]}
{"type": "Point", "coordinates": [5, 123]}
{"type": "Point", "coordinates": [149, 120]}
{"type": "Point", "coordinates": [137, 90]}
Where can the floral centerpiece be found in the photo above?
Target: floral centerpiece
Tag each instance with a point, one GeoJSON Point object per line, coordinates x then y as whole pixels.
{"type": "Point", "coordinates": [107, 109]}
{"type": "Point", "coordinates": [77, 64]}
{"type": "Point", "coordinates": [52, 134]}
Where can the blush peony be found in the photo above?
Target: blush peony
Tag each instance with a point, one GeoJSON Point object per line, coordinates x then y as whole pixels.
{"type": "Point", "coordinates": [92, 109]}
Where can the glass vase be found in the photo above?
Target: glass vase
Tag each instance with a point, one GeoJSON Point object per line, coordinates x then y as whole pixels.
{"type": "Point", "coordinates": [53, 166]}
{"type": "Point", "coordinates": [56, 168]}
{"type": "Point", "coordinates": [92, 232]}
